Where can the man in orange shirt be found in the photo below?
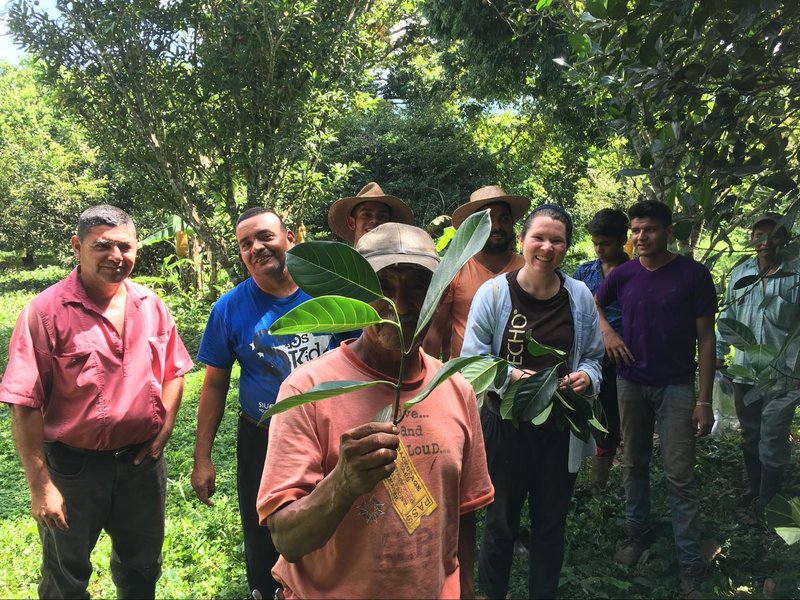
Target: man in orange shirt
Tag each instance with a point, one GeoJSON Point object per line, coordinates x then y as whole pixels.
{"type": "Point", "coordinates": [340, 532]}
{"type": "Point", "coordinates": [446, 334]}
{"type": "Point", "coordinates": [94, 381]}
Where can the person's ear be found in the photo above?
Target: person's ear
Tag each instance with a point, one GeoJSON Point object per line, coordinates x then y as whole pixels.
{"type": "Point", "coordinates": [76, 246]}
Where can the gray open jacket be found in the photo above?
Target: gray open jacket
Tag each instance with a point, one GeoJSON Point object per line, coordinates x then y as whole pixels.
{"type": "Point", "coordinates": [489, 315]}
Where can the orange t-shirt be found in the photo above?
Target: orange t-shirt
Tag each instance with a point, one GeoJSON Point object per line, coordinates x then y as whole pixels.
{"type": "Point", "coordinates": [371, 555]}
{"type": "Point", "coordinates": [463, 289]}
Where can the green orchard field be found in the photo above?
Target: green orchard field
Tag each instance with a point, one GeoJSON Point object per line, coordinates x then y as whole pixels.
{"type": "Point", "coordinates": [203, 556]}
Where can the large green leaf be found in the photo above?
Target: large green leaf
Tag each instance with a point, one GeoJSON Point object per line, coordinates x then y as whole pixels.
{"type": "Point", "coordinates": [327, 314]}
{"type": "Point", "coordinates": [328, 389]}
{"type": "Point", "coordinates": [173, 225]}
{"type": "Point", "coordinates": [746, 281]}
{"type": "Point", "coordinates": [597, 8]}
{"type": "Point", "coordinates": [535, 393]}
{"type": "Point", "coordinates": [537, 349]}
{"type": "Point", "coordinates": [448, 369]}
{"type": "Point", "coordinates": [736, 333]}
{"type": "Point", "coordinates": [467, 242]}
{"type": "Point", "coordinates": [543, 416]}
{"type": "Point", "coordinates": [760, 356]}
{"type": "Point", "coordinates": [332, 268]}
{"type": "Point", "coordinates": [739, 372]}
{"type": "Point", "coordinates": [507, 403]}
{"type": "Point", "coordinates": [783, 515]}
{"type": "Point", "coordinates": [481, 374]}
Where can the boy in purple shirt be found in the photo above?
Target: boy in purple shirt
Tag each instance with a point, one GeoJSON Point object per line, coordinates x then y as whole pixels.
{"type": "Point", "coordinates": [668, 304]}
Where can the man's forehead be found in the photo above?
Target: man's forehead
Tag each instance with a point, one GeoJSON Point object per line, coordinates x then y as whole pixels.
{"type": "Point", "coordinates": [372, 205]}
{"type": "Point", "coordinates": [108, 233]}
{"type": "Point", "coordinates": [403, 269]}
{"type": "Point", "coordinates": [499, 208]}
{"type": "Point", "coordinates": [265, 222]}
{"type": "Point", "coordinates": [645, 222]}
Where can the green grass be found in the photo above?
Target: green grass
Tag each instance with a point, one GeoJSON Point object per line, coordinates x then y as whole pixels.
{"type": "Point", "coordinates": [203, 556]}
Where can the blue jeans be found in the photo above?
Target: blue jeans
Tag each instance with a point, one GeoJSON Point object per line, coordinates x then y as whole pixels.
{"type": "Point", "coordinates": [671, 407]}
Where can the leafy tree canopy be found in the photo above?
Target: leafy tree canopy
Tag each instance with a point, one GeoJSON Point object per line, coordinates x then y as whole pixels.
{"type": "Point", "coordinates": [211, 106]}
{"type": "Point", "coordinates": [49, 171]}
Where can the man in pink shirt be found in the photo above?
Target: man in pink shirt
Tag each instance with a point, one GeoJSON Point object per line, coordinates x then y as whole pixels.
{"type": "Point", "coordinates": [345, 526]}
{"type": "Point", "coordinates": [498, 255]}
{"type": "Point", "coordinates": [94, 382]}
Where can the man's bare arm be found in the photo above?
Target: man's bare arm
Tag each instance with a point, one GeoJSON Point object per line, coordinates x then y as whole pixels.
{"type": "Point", "coordinates": [615, 345]}
{"type": "Point", "coordinates": [210, 409]}
{"type": "Point", "coordinates": [703, 418]}
{"type": "Point", "coordinates": [367, 455]}
{"type": "Point", "coordinates": [47, 504]}
{"type": "Point", "coordinates": [466, 554]}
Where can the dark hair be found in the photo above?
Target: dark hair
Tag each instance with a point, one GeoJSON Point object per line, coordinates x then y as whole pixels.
{"type": "Point", "coordinates": [102, 215]}
{"type": "Point", "coordinates": [652, 209]}
{"type": "Point", "coordinates": [609, 222]}
{"type": "Point", "coordinates": [259, 210]}
{"type": "Point", "coordinates": [554, 212]}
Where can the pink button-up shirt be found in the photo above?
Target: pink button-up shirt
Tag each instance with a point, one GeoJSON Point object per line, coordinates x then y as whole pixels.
{"type": "Point", "coordinates": [96, 390]}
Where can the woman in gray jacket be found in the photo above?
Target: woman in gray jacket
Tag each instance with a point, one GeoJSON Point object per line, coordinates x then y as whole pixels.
{"type": "Point", "coordinates": [538, 462]}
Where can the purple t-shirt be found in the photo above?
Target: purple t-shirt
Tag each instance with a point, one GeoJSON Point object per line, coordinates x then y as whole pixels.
{"type": "Point", "coordinates": [659, 309]}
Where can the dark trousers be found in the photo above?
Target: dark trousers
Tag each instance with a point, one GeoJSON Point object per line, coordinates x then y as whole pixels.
{"type": "Point", "coordinates": [607, 443]}
{"type": "Point", "coordinates": [531, 463]}
{"type": "Point", "coordinates": [259, 551]}
{"type": "Point", "coordinates": [104, 491]}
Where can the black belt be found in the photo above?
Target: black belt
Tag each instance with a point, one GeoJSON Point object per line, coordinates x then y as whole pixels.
{"type": "Point", "coordinates": [260, 424]}
{"type": "Point", "coordinates": [118, 453]}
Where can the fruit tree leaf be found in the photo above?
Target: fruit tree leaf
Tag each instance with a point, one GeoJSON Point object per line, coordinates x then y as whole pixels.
{"type": "Point", "coordinates": [452, 366]}
{"type": "Point", "coordinates": [481, 374]}
{"type": "Point", "coordinates": [333, 268]}
{"type": "Point", "coordinates": [328, 389]}
{"type": "Point", "coordinates": [327, 314]}
{"type": "Point", "coordinates": [736, 333]}
{"type": "Point", "coordinates": [535, 393]}
{"type": "Point", "coordinates": [466, 243]}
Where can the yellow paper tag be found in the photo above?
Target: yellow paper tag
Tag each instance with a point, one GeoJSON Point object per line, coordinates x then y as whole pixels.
{"type": "Point", "coordinates": [410, 496]}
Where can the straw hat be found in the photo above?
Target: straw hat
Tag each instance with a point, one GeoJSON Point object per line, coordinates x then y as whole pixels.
{"type": "Point", "coordinates": [490, 194]}
{"type": "Point", "coordinates": [372, 192]}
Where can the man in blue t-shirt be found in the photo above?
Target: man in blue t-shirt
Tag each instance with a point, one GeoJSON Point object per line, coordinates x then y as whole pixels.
{"type": "Point", "coordinates": [238, 330]}
{"type": "Point", "coordinates": [668, 304]}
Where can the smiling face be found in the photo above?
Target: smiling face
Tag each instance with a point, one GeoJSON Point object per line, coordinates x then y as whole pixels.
{"type": "Point", "coordinates": [263, 242]}
{"type": "Point", "coordinates": [544, 244]}
{"type": "Point", "coordinates": [650, 236]}
{"type": "Point", "coordinates": [367, 216]}
{"type": "Point", "coordinates": [107, 255]}
{"type": "Point", "coordinates": [501, 236]}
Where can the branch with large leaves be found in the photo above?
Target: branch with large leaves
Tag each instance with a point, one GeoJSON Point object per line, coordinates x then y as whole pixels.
{"type": "Point", "coordinates": [343, 284]}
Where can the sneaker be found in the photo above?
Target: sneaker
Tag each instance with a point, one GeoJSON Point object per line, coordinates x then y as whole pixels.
{"type": "Point", "coordinates": [631, 550]}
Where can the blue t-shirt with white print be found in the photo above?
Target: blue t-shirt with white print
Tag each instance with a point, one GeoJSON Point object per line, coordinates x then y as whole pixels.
{"type": "Point", "coordinates": [238, 330]}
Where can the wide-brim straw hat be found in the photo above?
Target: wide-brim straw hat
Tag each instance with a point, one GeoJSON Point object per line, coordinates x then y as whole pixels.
{"type": "Point", "coordinates": [398, 244]}
{"type": "Point", "coordinates": [491, 194]}
{"type": "Point", "coordinates": [372, 192]}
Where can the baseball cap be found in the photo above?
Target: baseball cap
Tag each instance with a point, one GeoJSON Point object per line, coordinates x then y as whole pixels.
{"type": "Point", "coordinates": [397, 243]}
